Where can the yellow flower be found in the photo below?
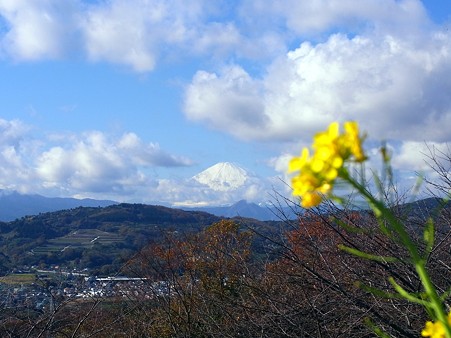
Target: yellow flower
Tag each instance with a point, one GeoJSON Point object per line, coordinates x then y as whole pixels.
{"type": "Point", "coordinates": [435, 330]}
{"type": "Point", "coordinates": [317, 173]}
{"type": "Point", "coordinates": [304, 183]}
{"type": "Point", "coordinates": [297, 163]}
{"type": "Point", "coordinates": [311, 199]}
{"type": "Point", "coordinates": [354, 141]}
{"type": "Point", "coordinates": [328, 137]}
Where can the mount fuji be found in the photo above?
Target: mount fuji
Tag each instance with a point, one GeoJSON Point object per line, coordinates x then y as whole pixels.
{"type": "Point", "coordinates": [226, 183]}
{"type": "Point", "coordinates": [223, 176]}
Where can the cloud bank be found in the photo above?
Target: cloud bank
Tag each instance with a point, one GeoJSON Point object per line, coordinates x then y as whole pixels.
{"type": "Point", "coordinates": [92, 162]}
{"type": "Point", "coordinates": [357, 78]}
{"type": "Point", "coordinates": [135, 33]}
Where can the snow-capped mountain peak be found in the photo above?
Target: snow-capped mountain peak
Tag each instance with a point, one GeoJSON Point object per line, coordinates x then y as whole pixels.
{"type": "Point", "coordinates": [223, 176]}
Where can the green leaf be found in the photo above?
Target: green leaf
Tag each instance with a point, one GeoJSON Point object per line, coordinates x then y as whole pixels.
{"type": "Point", "coordinates": [377, 211]}
{"type": "Point", "coordinates": [349, 227]}
{"type": "Point", "coordinates": [378, 292]}
{"type": "Point", "coordinates": [445, 295]}
{"type": "Point", "coordinates": [429, 235]}
{"type": "Point", "coordinates": [377, 330]}
{"type": "Point", "coordinates": [411, 297]}
{"type": "Point", "coordinates": [365, 255]}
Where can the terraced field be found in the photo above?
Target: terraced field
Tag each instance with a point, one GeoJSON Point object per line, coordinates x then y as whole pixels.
{"type": "Point", "coordinates": [83, 238]}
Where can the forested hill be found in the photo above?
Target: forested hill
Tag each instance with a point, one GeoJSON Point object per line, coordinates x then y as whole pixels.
{"type": "Point", "coordinates": [91, 237]}
{"type": "Point", "coordinates": [103, 238]}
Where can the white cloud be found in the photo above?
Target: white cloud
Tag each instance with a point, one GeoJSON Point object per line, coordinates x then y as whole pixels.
{"type": "Point", "coordinates": [120, 33]}
{"type": "Point", "coordinates": [11, 132]}
{"type": "Point", "coordinates": [135, 33]}
{"type": "Point", "coordinates": [15, 151]}
{"type": "Point", "coordinates": [96, 163]}
{"type": "Point", "coordinates": [90, 164]}
{"type": "Point", "coordinates": [12, 171]}
{"type": "Point", "coordinates": [148, 154]}
{"type": "Point", "coordinates": [138, 33]}
{"type": "Point", "coordinates": [412, 162]}
{"type": "Point", "coordinates": [310, 17]}
{"type": "Point", "coordinates": [229, 102]}
{"type": "Point", "coordinates": [395, 88]}
{"type": "Point", "coordinates": [416, 156]}
{"type": "Point", "coordinates": [280, 165]}
{"type": "Point", "coordinates": [38, 29]}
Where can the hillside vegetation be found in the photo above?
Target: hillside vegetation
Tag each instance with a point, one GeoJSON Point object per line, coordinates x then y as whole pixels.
{"type": "Point", "coordinates": [97, 238]}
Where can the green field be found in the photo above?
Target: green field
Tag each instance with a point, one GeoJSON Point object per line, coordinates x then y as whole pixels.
{"type": "Point", "coordinates": [83, 238]}
{"type": "Point", "coordinates": [23, 278]}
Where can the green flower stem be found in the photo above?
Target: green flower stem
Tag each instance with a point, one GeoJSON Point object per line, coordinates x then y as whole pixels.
{"type": "Point", "coordinates": [381, 211]}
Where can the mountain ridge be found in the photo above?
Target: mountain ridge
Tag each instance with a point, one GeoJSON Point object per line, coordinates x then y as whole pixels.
{"type": "Point", "coordinates": [14, 205]}
{"type": "Point", "coordinates": [247, 209]}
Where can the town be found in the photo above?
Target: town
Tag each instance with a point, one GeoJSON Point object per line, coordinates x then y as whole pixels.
{"type": "Point", "coordinates": [34, 289]}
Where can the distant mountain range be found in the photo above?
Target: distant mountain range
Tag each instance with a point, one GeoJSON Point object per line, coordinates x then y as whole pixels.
{"type": "Point", "coordinates": [251, 210]}
{"type": "Point", "coordinates": [14, 205]}
{"type": "Point", "coordinates": [223, 178]}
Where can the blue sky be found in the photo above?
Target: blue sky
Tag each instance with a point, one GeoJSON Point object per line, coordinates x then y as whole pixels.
{"type": "Point", "coordinates": [128, 99]}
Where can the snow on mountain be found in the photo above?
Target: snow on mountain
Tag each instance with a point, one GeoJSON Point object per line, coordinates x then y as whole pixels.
{"type": "Point", "coordinates": [223, 176]}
